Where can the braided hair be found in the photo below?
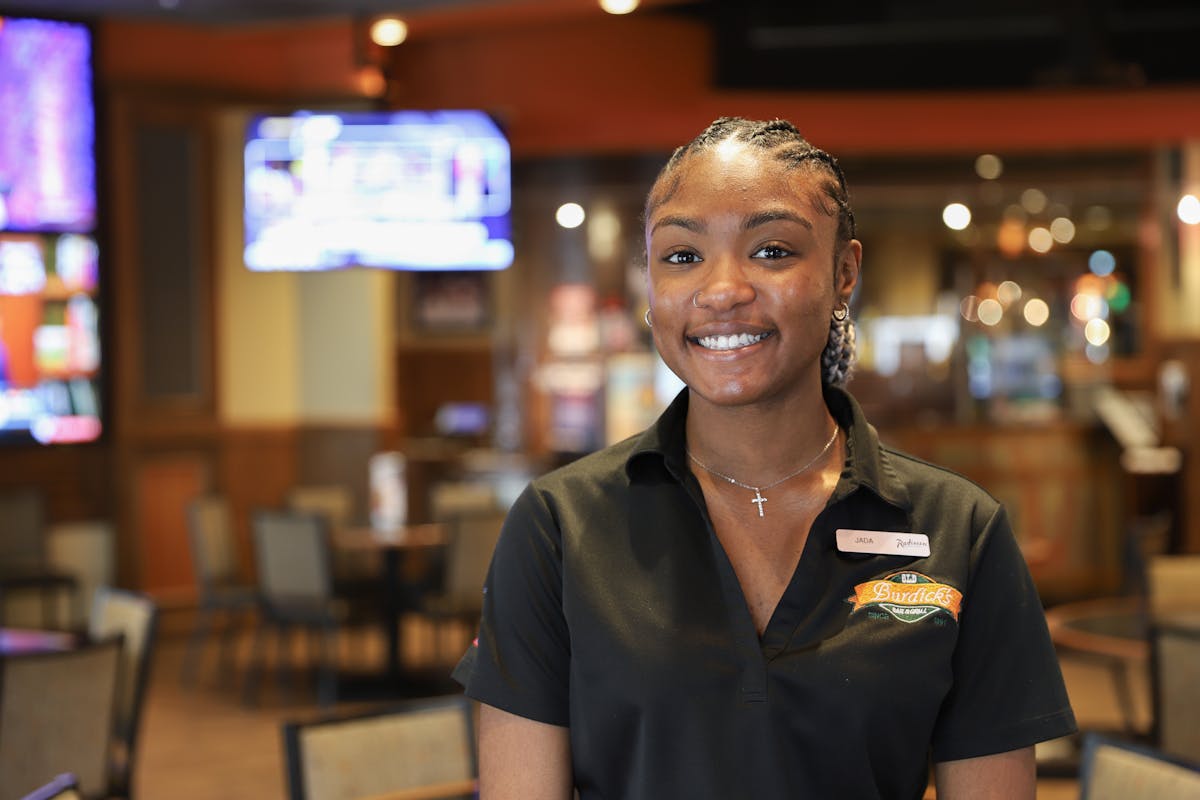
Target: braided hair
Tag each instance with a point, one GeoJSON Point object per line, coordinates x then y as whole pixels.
{"type": "Point", "coordinates": [786, 144]}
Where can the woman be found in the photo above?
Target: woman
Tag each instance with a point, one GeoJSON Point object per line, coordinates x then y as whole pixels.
{"type": "Point", "coordinates": [754, 598]}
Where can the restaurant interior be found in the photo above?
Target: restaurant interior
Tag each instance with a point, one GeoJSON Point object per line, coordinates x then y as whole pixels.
{"type": "Point", "coordinates": [213, 345]}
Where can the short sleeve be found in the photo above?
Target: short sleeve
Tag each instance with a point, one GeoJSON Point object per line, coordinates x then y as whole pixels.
{"type": "Point", "coordinates": [1008, 690]}
{"type": "Point", "coordinates": [520, 659]}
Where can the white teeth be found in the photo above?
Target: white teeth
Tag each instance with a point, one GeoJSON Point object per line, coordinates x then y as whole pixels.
{"type": "Point", "coordinates": [730, 342]}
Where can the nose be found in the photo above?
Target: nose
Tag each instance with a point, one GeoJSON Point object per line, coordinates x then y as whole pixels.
{"type": "Point", "coordinates": [726, 286]}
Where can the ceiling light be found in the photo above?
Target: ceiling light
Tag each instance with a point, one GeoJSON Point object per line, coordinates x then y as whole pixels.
{"type": "Point", "coordinates": [618, 6]}
{"type": "Point", "coordinates": [388, 31]}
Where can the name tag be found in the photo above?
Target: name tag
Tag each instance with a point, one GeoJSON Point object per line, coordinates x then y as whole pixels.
{"type": "Point", "coordinates": [888, 543]}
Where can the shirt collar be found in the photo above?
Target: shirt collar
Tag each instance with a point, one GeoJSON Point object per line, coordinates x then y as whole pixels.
{"type": "Point", "coordinates": [663, 445]}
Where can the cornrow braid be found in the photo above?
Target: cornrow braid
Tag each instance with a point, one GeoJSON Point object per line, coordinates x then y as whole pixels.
{"type": "Point", "coordinates": [791, 148]}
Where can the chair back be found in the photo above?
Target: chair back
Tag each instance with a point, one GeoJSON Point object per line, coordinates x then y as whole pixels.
{"type": "Point", "coordinates": [22, 528]}
{"type": "Point", "coordinates": [293, 555]}
{"type": "Point", "coordinates": [419, 744]}
{"type": "Point", "coordinates": [469, 554]}
{"type": "Point", "coordinates": [1173, 584]}
{"type": "Point", "coordinates": [1176, 682]}
{"type": "Point", "coordinates": [210, 535]}
{"type": "Point", "coordinates": [56, 713]}
{"type": "Point", "coordinates": [1116, 769]}
{"type": "Point", "coordinates": [134, 617]}
{"type": "Point", "coordinates": [332, 501]}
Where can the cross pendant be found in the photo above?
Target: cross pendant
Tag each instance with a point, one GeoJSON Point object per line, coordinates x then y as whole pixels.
{"type": "Point", "coordinates": [759, 500]}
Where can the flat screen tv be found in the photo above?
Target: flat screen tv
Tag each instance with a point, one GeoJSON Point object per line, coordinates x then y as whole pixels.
{"type": "Point", "coordinates": [405, 190]}
{"type": "Point", "coordinates": [50, 344]}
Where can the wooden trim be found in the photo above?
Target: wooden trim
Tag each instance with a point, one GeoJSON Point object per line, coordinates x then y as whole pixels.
{"type": "Point", "coordinates": [434, 792]}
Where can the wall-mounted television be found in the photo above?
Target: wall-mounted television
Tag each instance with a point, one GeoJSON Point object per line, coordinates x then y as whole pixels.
{"type": "Point", "coordinates": [50, 343]}
{"type": "Point", "coordinates": [405, 190]}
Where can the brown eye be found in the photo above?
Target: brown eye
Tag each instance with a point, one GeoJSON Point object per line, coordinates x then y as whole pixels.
{"type": "Point", "coordinates": [683, 257]}
{"type": "Point", "coordinates": [771, 251]}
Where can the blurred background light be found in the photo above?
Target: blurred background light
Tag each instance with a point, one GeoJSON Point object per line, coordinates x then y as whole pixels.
{"type": "Point", "coordinates": [1033, 201]}
{"type": "Point", "coordinates": [991, 312]}
{"type": "Point", "coordinates": [388, 31]}
{"type": "Point", "coordinates": [1102, 262]}
{"type": "Point", "coordinates": [1189, 209]}
{"type": "Point", "coordinates": [1062, 229]}
{"type": "Point", "coordinates": [1040, 240]}
{"type": "Point", "coordinates": [989, 167]}
{"type": "Point", "coordinates": [1097, 218]}
{"type": "Point", "coordinates": [1036, 312]}
{"type": "Point", "coordinates": [618, 6]}
{"type": "Point", "coordinates": [956, 216]}
{"type": "Point", "coordinates": [1096, 331]}
{"type": "Point", "coordinates": [570, 215]}
{"type": "Point", "coordinates": [1008, 292]}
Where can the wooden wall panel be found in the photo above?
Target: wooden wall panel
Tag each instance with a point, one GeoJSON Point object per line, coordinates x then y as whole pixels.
{"type": "Point", "coordinates": [163, 485]}
{"type": "Point", "coordinates": [257, 466]}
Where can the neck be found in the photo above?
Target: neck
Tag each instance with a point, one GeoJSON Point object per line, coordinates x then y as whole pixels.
{"type": "Point", "coordinates": [760, 442]}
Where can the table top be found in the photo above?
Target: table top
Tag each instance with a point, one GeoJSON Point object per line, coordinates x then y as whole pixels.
{"type": "Point", "coordinates": [404, 537]}
{"type": "Point", "coordinates": [15, 641]}
{"type": "Point", "coordinates": [1118, 627]}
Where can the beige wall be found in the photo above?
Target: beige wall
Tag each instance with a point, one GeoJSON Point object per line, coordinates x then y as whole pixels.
{"type": "Point", "coordinates": [294, 348]}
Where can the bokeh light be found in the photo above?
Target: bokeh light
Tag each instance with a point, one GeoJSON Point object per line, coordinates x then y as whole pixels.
{"type": "Point", "coordinates": [1036, 312]}
{"type": "Point", "coordinates": [969, 308]}
{"type": "Point", "coordinates": [990, 312]}
{"type": "Point", "coordinates": [989, 167]}
{"type": "Point", "coordinates": [388, 31]}
{"type": "Point", "coordinates": [1062, 229]}
{"type": "Point", "coordinates": [956, 216]}
{"type": "Point", "coordinates": [1040, 240]}
{"type": "Point", "coordinates": [1102, 262]}
{"type": "Point", "coordinates": [1008, 292]}
{"type": "Point", "coordinates": [570, 215]}
{"type": "Point", "coordinates": [618, 6]}
{"type": "Point", "coordinates": [1033, 201]}
{"type": "Point", "coordinates": [1096, 331]}
{"type": "Point", "coordinates": [1189, 209]}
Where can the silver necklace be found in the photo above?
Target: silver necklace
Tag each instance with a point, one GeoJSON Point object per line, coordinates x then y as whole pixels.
{"type": "Point", "coordinates": [758, 498]}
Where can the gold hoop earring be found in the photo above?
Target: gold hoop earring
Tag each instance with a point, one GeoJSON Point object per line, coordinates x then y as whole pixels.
{"type": "Point", "coordinates": [840, 314]}
{"type": "Point", "coordinates": [649, 322]}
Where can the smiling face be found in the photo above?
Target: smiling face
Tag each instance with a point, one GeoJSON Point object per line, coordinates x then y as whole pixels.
{"type": "Point", "coordinates": [756, 240]}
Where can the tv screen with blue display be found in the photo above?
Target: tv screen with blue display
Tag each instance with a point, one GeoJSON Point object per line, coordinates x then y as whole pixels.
{"type": "Point", "coordinates": [50, 343]}
{"type": "Point", "coordinates": [405, 190]}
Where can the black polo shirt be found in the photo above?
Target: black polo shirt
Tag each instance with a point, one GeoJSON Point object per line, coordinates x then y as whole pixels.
{"type": "Point", "coordinates": [611, 608]}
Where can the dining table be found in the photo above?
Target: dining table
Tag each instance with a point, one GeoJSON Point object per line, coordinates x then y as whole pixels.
{"type": "Point", "coordinates": [393, 544]}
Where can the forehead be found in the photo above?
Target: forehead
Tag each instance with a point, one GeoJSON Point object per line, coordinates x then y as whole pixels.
{"type": "Point", "coordinates": [736, 177]}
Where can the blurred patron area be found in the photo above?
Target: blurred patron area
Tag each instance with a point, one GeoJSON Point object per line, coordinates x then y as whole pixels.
{"type": "Point", "coordinates": [261, 291]}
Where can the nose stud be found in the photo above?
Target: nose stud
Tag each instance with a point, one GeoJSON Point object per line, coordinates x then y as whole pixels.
{"type": "Point", "coordinates": [696, 299]}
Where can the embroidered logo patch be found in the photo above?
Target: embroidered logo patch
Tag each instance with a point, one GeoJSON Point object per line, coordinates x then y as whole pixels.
{"type": "Point", "coordinates": [907, 596]}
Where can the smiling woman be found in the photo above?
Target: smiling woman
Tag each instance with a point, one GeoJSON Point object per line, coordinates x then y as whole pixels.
{"type": "Point", "coordinates": [703, 609]}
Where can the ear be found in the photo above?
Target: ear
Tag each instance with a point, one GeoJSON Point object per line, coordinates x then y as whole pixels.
{"type": "Point", "coordinates": [846, 270]}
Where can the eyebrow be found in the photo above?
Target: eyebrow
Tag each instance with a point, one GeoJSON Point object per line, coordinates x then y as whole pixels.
{"type": "Point", "coordinates": [764, 217]}
{"type": "Point", "coordinates": [687, 223]}
{"type": "Point", "coordinates": [752, 221]}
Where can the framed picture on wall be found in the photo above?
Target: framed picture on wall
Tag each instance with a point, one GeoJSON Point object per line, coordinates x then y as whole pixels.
{"type": "Point", "coordinates": [451, 302]}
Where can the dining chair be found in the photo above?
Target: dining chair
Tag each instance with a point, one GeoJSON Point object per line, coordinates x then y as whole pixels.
{"type": "Point", "coordinates": [355, 572]}
{"type": "Point", "coordinates": [134, 617]}
{"type": "Point", "coordinates": [57, 712]}
{"type": "Point", "coordinates": [417, 749]}
{"type": "Point", "coordinates": [225, 598]}
{"type": "Point", "coordinates": [24, 566]}
{"type": "Point", "coordinates": [1175, 684]}
{"type": "Point", "coordinates": [1120, 769]}
{"type": "Point", "coordinates": [459, 602]}
{"type": "Point", "coordinates": [295, 590]}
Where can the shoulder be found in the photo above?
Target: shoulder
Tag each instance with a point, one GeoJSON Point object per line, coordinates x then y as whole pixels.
{"type": "Point", "coordinates": [930, 485]}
